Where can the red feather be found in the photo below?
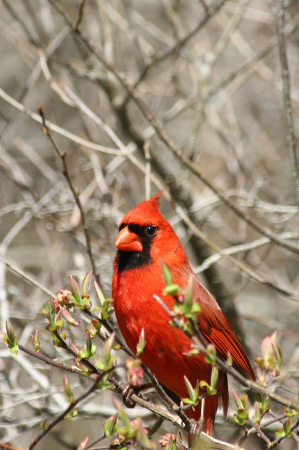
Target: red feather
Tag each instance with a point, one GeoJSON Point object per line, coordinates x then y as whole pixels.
{"type": "Point", "coordinates": [166, 349]}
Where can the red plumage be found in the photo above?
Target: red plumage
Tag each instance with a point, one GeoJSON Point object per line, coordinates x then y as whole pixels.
{"type": "Point", "coordinates": [137, 276]}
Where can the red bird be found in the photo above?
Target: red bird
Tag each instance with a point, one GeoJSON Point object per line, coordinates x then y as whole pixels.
{"type": "Point", "coordinates": [145, 239]}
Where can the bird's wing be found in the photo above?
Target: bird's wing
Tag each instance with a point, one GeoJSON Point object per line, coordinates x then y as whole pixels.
{"type": "Point", "coordinates": [217, 330]}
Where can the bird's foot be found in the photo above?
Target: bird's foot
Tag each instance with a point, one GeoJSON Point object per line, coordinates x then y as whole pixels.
{"type": "Point", "coordinates": [196, 426]}
{"type": "Point", "coordinates": [195, 430]}
{"type": "Point", "coordinates": [127, 393]}
{"type": "Point", "coordinates": [129, 390]}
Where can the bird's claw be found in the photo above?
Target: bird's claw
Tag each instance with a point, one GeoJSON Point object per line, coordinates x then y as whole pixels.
{"type": "Point", "coordinates": [196, 426]}
{"type": "Point", "coordinates": [127, 393]}
{"type": "Point", "coordinates": [128, 390]}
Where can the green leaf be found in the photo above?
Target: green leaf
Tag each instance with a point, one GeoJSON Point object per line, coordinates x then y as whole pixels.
{"type": "Point", "coordinates": [193, 351]}
{"type": "Point", "coordinates": [106, 386]}
{"type": "Point", "coordinates": [210, 356]}
{"type": "Point", "coordinates": [263, 401]}
{"type": "Point", "coordinates": [68, 317]}
{"type": "Point", "coordinates": [76, 290]}
{"type": "Point", "coordinates": [105, 306]}
{"type": "Point", "coordinates": [141, 435]}
{"type": "Point", "coordinates": [86, 282]}
{"type": "Point", "coordinates": [166, 274]}
{"type": "Point", "coordinates": [10, 332]}
{"type": "Point", "coordinates": [4, 337]}
{"type": "Point", "coordinates": [239, 420]}
{"type": "Point", "coordinates": [289, 412]}
{"type": "Point", "coordinates": [67, 390]}
{"type": "Point", "coordinates": [242, 413]}
{"type": "Point", "coordinates": [211, 392]}
{"type": "Point", "coordinates": [35, 341]}
{"type": "Point", "coordinates": [99, 293]}
{"type": "Point", "coordinates": [155, 427]}
{"type": "Point", "coordinates": [88, 343]}
{"type": "Point", "coordinates": [111, 425]}
{"type": "Point", "coordinates": [107, 350]}
{"type": "Point", "coordinates": [287, 428]}
{"type": "Point", "coordinates": [214, 377]}
{"type": "Point", "coordinates": [195, 309]}
{"type": "Point", "coordinates": [237, 399]}
{"type": "Point", "coordinates": [188, 401]}
{"type": "Point", "coordinates": [280, 432]}
{"type": "Point", "coordinates": [172, 289]}
{"type": "Point", "coordinates": [83, 444]}
{"type": "Point", "coordinates": [141, 343]}
{"type": "Point", "coordinates": [88, 351]}
{"type": "Point", "coordinates": [50, 311]}
{"type": "Point", "coordinates": [244, 401]}
{"type": "Point", "coordinates": [189, 388]}
{"type": "Point", "coordinates": [257, 415]}
{"type": "Point", "coordinates": [59, 323]}
{"type": "Point", "coordinates": [278, 354]}
{"type": "Point", "coordinates": [171, 444]}
{"type": "Point", "coordinates": [86, 303]}
{"type": "Point", "coordinates": [10, 340]}
{"type": "Point", "coordinates": [123, 416]}
{"type": "Point", "coordinates": [188, 295]}
{"type": "Point", "coordinates": [229, 360]}
{"type": "Point", "coordinates": [14, 350]}
{"type": "Point", "coordinates": [196, 390]}
{"type": "Point", "coordinates": [43, 425]}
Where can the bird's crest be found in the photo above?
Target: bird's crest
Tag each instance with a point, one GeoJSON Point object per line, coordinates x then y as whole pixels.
{"type": "Point", "coordinates": [146, 212]}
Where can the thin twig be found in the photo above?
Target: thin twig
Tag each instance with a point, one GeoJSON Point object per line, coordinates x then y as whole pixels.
{"type": "Point", "coordinates": [137, 163]}
{"type": "Point", "coordinates": [68, 409]}
{"type": "Point", "coordinates": [94, 443]}
{"type": "Point", "coordinates": [27, 277]}
{"type": "Point", "coordinates": [75, 194]}
{"type": "Point", "coordinates": [239, 249]}
{"type": "Point", "coordinates": [152, 377]}
{"type": "Point", "coordinates": [9, 447]}
{"type": "Point", "coordinates": [119, 387]}
{"type": "Point", "coordinates": [70, 350]}
{"type": "Point", "coordinates": [59, 130]}
{"type": "Point", "coordinates": [279, 440]}
{"type": "Point", "coordinates": [148, 170]}
{"type": "Point", "coordinates": [204, 5]}
{"type": "Point", "coordinates": [250, 272]}
{"type": "Point", "coordinates": [51, 362]}
{"type": "Point", "coordinates": [15, 15]}
{"type": "Point", "coordinates": [259, 431]}
{"type": "Point", "coordinates": [286, 83]}
{"type": "Point", "coordinates": [201, 344]}
{"type": "Point", "coordinates": [170, 144]}
{"type": "Point", "coordinates": [195, 28]}
{"type": "Point", "coordinates": [80, 14]}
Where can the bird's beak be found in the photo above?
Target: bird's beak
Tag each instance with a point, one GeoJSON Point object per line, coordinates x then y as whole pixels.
{"type": "Point", "coordinates": [128, 241]}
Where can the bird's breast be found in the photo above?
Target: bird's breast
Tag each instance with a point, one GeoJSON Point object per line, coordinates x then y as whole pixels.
{"type": "Point", "coordinates": [166, 348]}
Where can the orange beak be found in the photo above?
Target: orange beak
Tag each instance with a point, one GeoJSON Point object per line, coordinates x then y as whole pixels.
{"type": "Point", "coordinates": [128, 241]}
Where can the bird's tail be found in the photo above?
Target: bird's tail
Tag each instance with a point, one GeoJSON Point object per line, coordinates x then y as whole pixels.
{"type": "Point", "coordinates": [210, 407]}
{"type": "Point", "coordinates": [212, 403]}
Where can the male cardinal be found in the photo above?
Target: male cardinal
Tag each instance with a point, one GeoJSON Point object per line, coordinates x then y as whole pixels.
{"type": "Point", "coordinates": [145, 239]}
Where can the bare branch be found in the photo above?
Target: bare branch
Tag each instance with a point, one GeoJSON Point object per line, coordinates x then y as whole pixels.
{"type": "Point", "coordinates": [286, 82]}
{"type": "Point", "coordinates": [80, 14]}
{"type": "Point", "coordinates": [201, 344]}
{"type": "Point", "coordinates": [171, 145]}
{"type": "Point", "coordinates": [72, 405]}
{"type": "Point", "coordinates": [75, 194]}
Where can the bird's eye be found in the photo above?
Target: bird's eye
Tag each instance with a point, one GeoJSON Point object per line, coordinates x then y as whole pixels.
{"type": "Point", "coordinates": [151, 230]}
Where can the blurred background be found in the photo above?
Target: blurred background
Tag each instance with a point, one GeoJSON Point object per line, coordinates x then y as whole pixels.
{"type": "Point", "coordinates": [211, 74]}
